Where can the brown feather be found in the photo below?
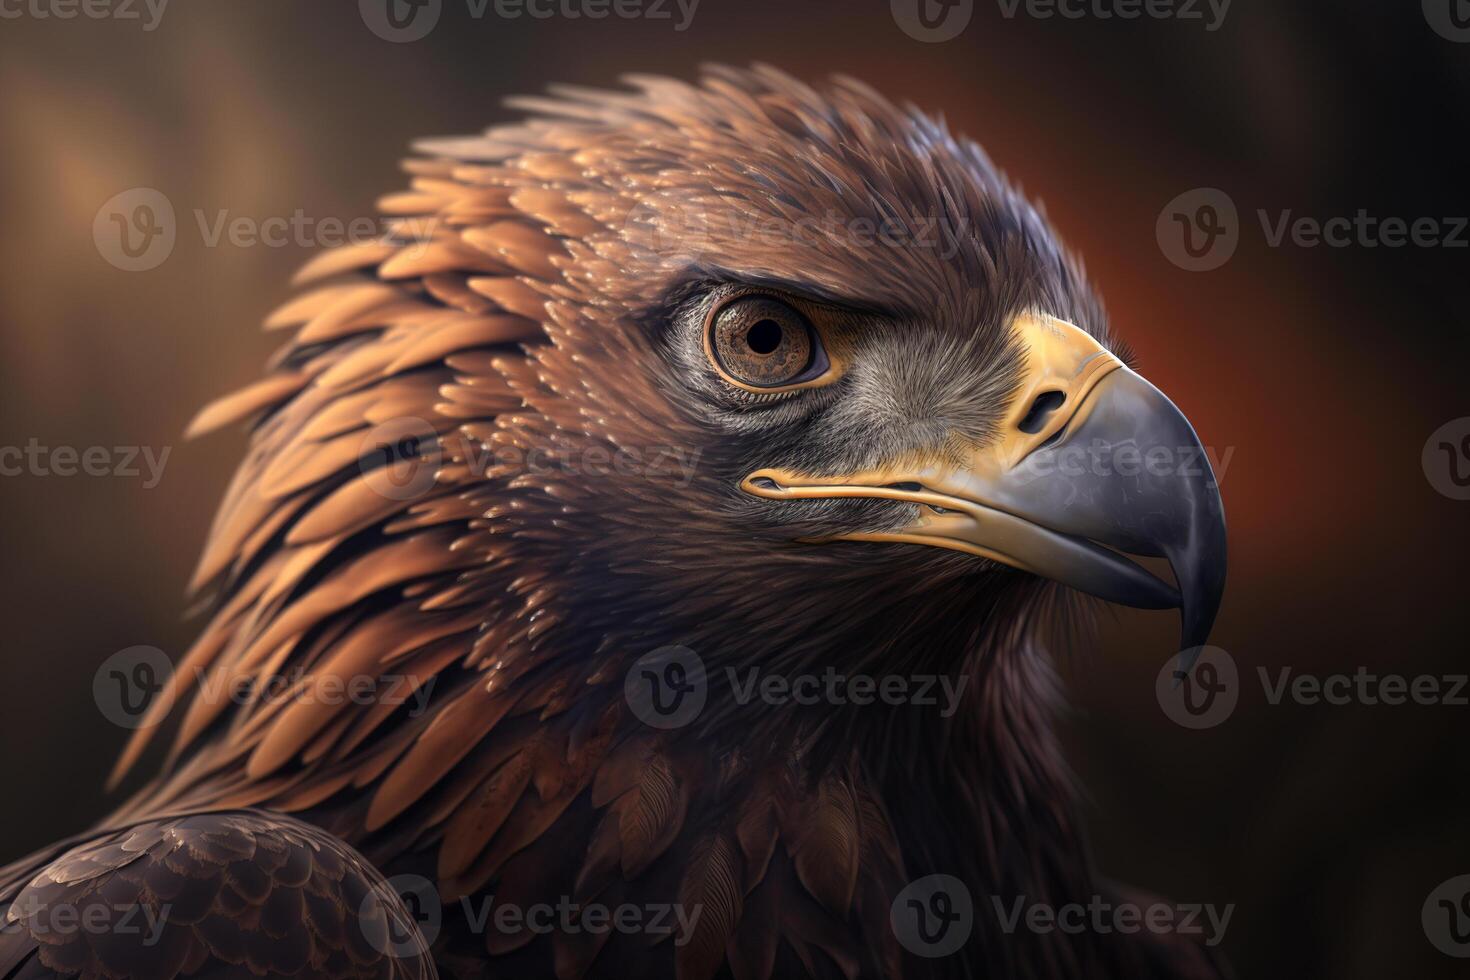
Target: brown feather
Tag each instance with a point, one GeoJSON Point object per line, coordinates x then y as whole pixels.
{"type": "Point", "coordinates": [520, 303]}
{"type": "Point", "coordinates": [713, 885]}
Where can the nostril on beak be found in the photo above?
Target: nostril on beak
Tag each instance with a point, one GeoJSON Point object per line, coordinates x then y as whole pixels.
{"type": "Point", "coordinates": [1045, 403]}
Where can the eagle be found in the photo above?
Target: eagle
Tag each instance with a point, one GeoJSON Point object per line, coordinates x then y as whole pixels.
{"type": "Point", "coordinates": [643, 413]}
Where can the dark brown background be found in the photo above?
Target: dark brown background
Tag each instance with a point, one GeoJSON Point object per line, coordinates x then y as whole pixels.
{"type": "Point", "coordinates": [1325, 369]}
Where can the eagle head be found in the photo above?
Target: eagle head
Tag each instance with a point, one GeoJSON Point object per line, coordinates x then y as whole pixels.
{"type": "Point", "coordinates": [739, 378]}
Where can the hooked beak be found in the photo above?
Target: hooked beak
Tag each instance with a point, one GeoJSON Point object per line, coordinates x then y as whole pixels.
{"type": "Point", "coordinates": [1092, 462]}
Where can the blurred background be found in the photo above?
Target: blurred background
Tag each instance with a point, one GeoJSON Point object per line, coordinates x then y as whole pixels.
{"type": "Point", "coordinates": [1317, 374]}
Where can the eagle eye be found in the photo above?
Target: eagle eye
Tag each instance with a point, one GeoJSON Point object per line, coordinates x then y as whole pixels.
{"type": "Point", "coordinates": [760, 342]}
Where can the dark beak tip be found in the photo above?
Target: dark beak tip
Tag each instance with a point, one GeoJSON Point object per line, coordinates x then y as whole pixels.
{"type": "Point", "coordinates": [1202, 586]}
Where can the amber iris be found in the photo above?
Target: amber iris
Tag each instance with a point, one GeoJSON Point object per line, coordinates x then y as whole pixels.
{"type": "Point", "coordinates": [761, 342]}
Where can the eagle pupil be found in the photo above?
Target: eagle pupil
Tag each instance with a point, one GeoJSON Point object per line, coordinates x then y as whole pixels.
{"type": "Point", "coordinates": [764, 336]}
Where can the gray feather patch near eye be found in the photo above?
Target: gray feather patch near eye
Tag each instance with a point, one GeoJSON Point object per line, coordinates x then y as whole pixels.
{"type": "Point", "coordinates": [912, 387]}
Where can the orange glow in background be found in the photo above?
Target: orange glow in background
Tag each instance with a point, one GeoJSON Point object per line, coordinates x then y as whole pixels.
{"type": "Point", "coordinates": [1317, 372]}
